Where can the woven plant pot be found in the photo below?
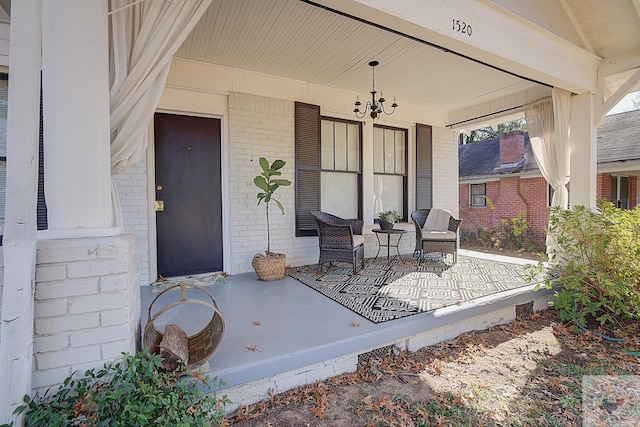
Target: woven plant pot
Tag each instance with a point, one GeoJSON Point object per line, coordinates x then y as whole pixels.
{"type": "Point", "coordinates": [270, 267]}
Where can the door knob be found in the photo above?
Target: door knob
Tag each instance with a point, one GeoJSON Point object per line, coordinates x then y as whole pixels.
{"type": "Point", "coordinates": [159, 205]}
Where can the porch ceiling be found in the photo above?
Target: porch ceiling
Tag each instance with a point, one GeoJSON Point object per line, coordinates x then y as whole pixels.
{"type": "Point", "coordinates": [295, 40]}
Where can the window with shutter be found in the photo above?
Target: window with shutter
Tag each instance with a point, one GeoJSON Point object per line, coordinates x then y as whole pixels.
{"type": "Point", "coordinates": [4, 92]}
{"type": "Point", "coordinates": [42, 205]}
{"type": "Point", "coordinates": [424, 169]}
{"type": "Point", "coordinates": [307, 154]}
{"type": "Point", "coordinates": [328, 167]}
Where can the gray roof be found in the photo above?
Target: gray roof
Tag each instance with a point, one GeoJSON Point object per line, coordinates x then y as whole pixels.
{"type": "Point", "coordinates": [619, 137]}
{"type": "Point", "coordinates": [483, 158]}
{"type": "Point", "coordinates": [618, 140]}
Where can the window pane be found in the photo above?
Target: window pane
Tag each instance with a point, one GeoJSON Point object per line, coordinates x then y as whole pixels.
{"type": "Point", "coordinates": [389, 151]}
{"type": "Point", "coordinates": [354, 147]}
{"type": "Point", "coordinates": [326, 143]}
{"type": "Point", "coordinates": [387, 194]}
{"type": "Point", "coordinates": [341, 146]}
{"type": "Point", "coordinates": [340, 194]}
{"type": "Point", "coordinates": [624, 193]}
{"type": "Point", "coordinates": [478, 193]}
{"type": "Point", "coordinates": [400, 152]}
{"type": "Point", "coordinates": [378, 150]}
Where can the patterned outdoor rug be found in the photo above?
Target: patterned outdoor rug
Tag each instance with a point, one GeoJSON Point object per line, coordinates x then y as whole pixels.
{"type": "Point", "coordinates": [382, 292]}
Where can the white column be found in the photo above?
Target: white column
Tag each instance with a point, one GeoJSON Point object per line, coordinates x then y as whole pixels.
{"type": "Point", "coordinates": [582, 144]}
{"type": "Point", "coordinates": [75, 62]}
{"type": "Point", "coordinates": [16, 329]}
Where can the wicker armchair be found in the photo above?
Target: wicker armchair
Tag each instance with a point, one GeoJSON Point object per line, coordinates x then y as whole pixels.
{"type": "Point", "coordinates": [339, 239]}
{"type": "Point", "coordinates": [445, 242]}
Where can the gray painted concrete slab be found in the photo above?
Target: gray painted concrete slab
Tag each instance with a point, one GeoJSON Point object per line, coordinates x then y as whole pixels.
{"type": "Point", "coordinates": [300, 327]}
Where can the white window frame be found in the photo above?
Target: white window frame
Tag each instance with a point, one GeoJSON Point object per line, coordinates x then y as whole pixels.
{"type": "Point", "coordinates": [472, 198]}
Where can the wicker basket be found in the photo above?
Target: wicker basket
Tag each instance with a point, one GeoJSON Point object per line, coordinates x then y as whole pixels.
{"type": "Point", "coordinates": [201, 344]}
{"type": "Point", "coordinates": [270, 267]}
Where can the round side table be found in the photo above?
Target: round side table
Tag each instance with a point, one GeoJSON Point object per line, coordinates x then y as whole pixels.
{"type": "Point", "coordinates": [388, 245]}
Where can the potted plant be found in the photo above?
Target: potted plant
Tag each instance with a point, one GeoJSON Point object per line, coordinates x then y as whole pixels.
{"type": "Point", "coordinates": [270, 266]}
{"type": "Point", "coordinates": [388, 218]}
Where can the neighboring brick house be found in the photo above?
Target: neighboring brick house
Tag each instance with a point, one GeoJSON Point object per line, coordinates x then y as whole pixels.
{"type": "Point", "coordinates": [499, 177]}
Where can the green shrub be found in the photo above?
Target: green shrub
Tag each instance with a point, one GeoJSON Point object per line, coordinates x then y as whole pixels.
{"type": "Point", "coordinates": [132, 392]}
{"type": "Point", "coordinates": [515, 230]}
{"type": "Point", "coordinates": [513, 234]}
{"type": "Point", "coordinates": [598, 263]}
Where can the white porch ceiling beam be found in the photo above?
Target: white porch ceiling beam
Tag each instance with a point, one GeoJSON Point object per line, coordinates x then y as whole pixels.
{"type": "Point", "coordinates": [611, 101]}
{"type": "Point", "coordinates": [620, 65]}
{"type": "Point", "coordinates": [497, 109]}
{"type": "Point", "coordinates": [498, 37]}
{"type": "Point", "coordinates": [605, 100]}
{"type": "Point", "coordinates": [577, 26]}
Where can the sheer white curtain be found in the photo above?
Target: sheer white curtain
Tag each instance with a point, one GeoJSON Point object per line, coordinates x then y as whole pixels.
{"type": "Point", "coordinates": [548, 125]}
{"type": "Point", "coordinates": [144, 37]}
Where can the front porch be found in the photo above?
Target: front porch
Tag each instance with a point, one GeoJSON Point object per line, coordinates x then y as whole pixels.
{"type": "Point", "coordinates": [303, 336]}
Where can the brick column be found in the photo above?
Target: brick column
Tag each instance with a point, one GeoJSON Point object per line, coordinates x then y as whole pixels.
{"type": "Point", "coordinates": [87, 305]}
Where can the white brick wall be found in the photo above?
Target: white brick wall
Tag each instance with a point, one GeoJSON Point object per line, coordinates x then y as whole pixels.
{"type": "Point", "coordinates": [132, 189]}
{"type": "Point", "coordinates": [262, 127]}
{"type": "Point", "coordinates": [87, 305]}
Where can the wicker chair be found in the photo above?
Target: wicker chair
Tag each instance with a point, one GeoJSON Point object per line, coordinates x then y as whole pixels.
{"type": "Point", "coordinates": [339, 239]}
{"type": "Point", "coordinates": [445, 242]}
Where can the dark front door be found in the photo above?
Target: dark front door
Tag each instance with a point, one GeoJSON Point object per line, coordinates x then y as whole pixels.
{"type": "Point", "coordinates": [188, 194]}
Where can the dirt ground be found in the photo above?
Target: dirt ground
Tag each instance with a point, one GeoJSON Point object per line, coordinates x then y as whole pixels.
{"type": "Point", "coordinates": [525, 373]}
{"type": "Point", "coordinates": [502, 361]}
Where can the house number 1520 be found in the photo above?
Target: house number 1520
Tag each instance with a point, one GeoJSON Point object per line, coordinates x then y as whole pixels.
{"type": "Point", "coordinates": [461, 27]}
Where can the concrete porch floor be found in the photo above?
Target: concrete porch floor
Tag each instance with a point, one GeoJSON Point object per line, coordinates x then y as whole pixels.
{"type": "Point", "coordinates": [303, 336]}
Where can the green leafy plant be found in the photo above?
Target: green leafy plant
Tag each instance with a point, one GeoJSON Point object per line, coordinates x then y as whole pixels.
{"type": "Point", "coordinates": [389, 216]}
{"type": "Point", "coordinates": [134, 391]}
{"type": "Point", "coordinates": [268, 183]}
{"type": "Point", "coordinates": [514, 230]}
{"type": "Point", "coordinates": [597, 263]}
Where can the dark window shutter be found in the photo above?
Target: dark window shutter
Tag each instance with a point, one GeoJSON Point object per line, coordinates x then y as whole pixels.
{"type": "Point", "coordinates": [424, 169]}
{"type": "Point", "coordinates": [307, 141]}
{"type": "Point", "coordinates": [42, 205]}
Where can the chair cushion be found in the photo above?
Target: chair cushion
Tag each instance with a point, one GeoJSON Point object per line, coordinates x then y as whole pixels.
{"type": "Point", "coordinates": [437, 220]}
{"type": "Point", "coordinates": [358, 239]}
{"type": "Point", "coordinates": [442, 236]}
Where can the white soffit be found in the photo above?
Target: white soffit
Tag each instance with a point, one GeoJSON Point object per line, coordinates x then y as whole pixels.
{"type": "Point", "coordinates": [299, 41]}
